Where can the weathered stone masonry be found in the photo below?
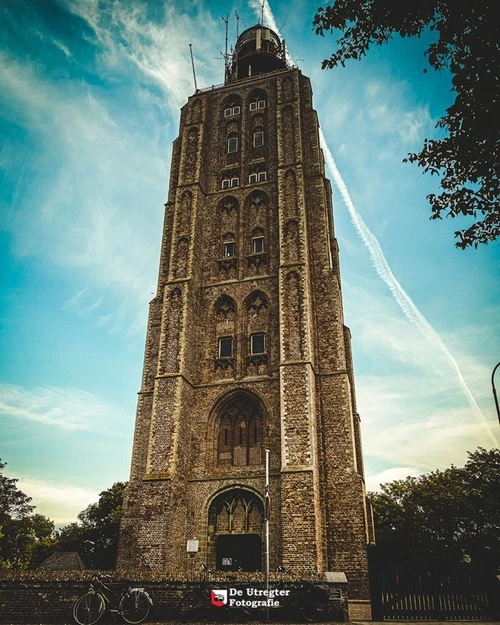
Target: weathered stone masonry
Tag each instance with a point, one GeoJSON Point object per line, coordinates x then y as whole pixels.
{"type": "Point", "coordinates": [246, 347]}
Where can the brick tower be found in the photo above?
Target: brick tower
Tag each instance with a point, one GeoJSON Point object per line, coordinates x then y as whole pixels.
{"type": "Point", "coordinates": [246, 346]}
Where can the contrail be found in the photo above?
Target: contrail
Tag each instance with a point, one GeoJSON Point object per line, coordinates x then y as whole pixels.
{"type": "Point", "coordinates": [404, 301]}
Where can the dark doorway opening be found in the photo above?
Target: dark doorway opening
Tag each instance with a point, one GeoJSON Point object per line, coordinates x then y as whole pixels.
{"type": "Point", "coordinates": [238, 552]}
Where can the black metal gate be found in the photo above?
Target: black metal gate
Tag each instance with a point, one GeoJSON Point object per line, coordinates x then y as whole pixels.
{"type": "Point", "coordinates": [402, 593]}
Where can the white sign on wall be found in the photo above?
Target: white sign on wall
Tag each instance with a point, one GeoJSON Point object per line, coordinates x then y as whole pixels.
{"type": "Point", "coordinates": [192, 546]}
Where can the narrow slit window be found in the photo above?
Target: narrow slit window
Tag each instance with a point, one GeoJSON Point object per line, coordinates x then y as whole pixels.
{"type": "Point", "coordinates": [258, 343]}
{"type": "Point", "coordinates": [257, 245]}
{"type": "Point", "coordinates": [232, 145]}
{"type": "Point", "coordinates": [229, 249]}
{"type": "Point", "coordinates": [258, 139]}
{"type": "Point", "coordinates": [225, 347]}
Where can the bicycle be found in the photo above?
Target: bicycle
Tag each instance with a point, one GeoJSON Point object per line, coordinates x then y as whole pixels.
{"type": "Point", "coordinates": [133, 604]}
{"type": "Point", "coordinates": [307, 601]}
{"type": "Point", "coordinates": [199, 601]}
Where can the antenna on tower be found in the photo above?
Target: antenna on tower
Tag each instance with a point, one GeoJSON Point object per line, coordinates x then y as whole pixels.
{"type": "Point", "coordinates": [226, 57]}
{"type": "Point", "coordinates": [226, 21]}
{"type": "Point", "coordinates": [192, 64]}
{"type": "Point", "coordinates": [262, 13]}
{"type": "Point", "coordinates": [237, 24]}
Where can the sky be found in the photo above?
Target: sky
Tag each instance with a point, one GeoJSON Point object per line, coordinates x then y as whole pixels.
{"type": "Point", "coordinates": [90, 92]}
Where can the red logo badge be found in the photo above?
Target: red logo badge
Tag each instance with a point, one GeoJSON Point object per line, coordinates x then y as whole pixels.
{"type": "Point", "coordinates": [218, 597]}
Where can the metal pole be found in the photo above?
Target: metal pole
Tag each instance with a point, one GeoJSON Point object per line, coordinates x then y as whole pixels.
{"type": "Point", "coordinates": [267, 494]}
{"type": "Point", "coordinates": [495, 391]}
{"type": "Point", "coordinates": [192, 64]}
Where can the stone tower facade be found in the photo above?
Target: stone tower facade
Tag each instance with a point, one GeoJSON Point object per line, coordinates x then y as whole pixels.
{"type": "Point", "coordinates": [246, 345]}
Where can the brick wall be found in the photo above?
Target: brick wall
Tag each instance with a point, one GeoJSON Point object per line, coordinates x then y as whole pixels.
{"type": "Point", "coordinates": [303, 386]}
{"type": "Point", "coordinates": [47, 597]}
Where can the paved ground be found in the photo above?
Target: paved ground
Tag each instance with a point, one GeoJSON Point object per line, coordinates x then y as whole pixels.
{"type": "Point", "coordinates": [173, 622]}
{"type": "Point", "coordinates": [336, 623]}
{"type": "Point", "coordinates": [352, 622]}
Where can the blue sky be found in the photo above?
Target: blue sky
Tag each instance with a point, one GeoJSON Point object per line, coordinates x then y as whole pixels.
{"type": "Point", "coordinates": [89, 106]}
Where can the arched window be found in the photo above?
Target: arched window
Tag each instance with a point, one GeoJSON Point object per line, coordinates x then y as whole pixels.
{"type": "Point", "coordinates": [239, 440]}
{"type": "Point", "coordinates": [235, 520]}
{"type": "Point", "coordinates": [225, 308]}
{"type": "Point", "coordinates": [231, 107]}
{"type": "Point", "coordinates": [257, 101]}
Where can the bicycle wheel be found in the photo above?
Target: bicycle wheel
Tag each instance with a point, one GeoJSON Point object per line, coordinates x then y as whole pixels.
{"type": "Point", "coordinates": [134, 606]}
{"type": "Point", "coordinates": [190, 606]}
{"type": "Point", "coordinates": [308, 613]}
{"type": "Point", "coordinates": [242, 615]}
{"type": "Point", "coordinates": [314, 612]}
{"type": "Point", "coordinates": [88, 609]}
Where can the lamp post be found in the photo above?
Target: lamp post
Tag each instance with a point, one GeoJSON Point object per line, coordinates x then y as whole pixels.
{"type": "Point", "coordinates": [494, 390]}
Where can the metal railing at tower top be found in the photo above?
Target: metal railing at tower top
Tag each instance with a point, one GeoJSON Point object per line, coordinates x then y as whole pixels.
{"type": "Point", "coordinates": [495, 397]}
{"type": "Point", "coordinates": [244, 80]}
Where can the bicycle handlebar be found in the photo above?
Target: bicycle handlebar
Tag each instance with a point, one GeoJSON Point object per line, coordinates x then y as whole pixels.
{"type": "Point", "coordinates": [100, 577]}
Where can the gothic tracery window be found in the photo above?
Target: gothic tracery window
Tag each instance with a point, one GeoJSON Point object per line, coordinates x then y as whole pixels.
{"type": "Point", "coordinates": [256, 302]}
{"type": "Point", "coordinates": [225, 308]}
{"type": "Point", "coordinates": [239, 441]}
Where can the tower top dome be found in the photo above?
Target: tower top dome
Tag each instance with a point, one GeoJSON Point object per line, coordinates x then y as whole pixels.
{"type": "Point", "coordinates": [258, 50]}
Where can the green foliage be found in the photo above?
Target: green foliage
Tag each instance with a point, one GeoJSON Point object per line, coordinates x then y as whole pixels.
{"type": "Point", "coordinates": [95, 535]}
{"type": "Point", "coordinates": [23, 535]}
{"type": "Point", "coordinates": [27, 539]}
{"type": "Point", "coordinates": [450, 517]}
{"type": "Point", "coordinates": [13, 502]}
{"type": "Point", "coordinates": [467, 35]}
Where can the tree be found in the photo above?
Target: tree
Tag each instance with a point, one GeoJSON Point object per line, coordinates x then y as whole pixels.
{"type": "Point", "coordinates": [95, 535]}
{"type": "Point", "coordinates": [449, 517]}
{"type": "Point", "coordinates": [468, 32]}
{"type": "Point", "coordinates": [45, 541]}
{"type": "Point", "coordinates": [24, 537]}
{"type": "Point", "coordinates": [15, 530]}
{"type": "Point", "coordinates": [13, 502]}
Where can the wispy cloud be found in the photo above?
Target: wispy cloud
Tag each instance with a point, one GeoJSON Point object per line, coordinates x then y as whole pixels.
{"type": "Point", "coordinates": [373, 482]}
{"type": "Point", "coordinates": [412, 412]}
{"type": "Point", "coordinates": [98, 193]}
{"type": "Point", "coordinates": [388, 119]}
{"type": "Point", "coordinates": [59, 501]}
{"type": "Point", "coordinates": [402, 298]}
{"type": "Point", "coordinates": [97, 178]}
{"type": "Point", "coordinates": [158, 49]}
{"type": "Point", "coordinates": [67, 409]}
{"type": "Point", "coordinates": [443, 437]}
{"type": "Point", "coordinates": [62, 47]}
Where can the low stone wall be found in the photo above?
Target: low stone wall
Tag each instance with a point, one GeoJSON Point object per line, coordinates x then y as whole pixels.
{"type": "Point", "coordinates": [29, 597]}
{"type": "Point", "coordinates": [48, 596]}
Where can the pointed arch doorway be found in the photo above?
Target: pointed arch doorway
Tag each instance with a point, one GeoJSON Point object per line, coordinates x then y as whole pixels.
{"type": "Point", "coordinates": [235, 522]}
